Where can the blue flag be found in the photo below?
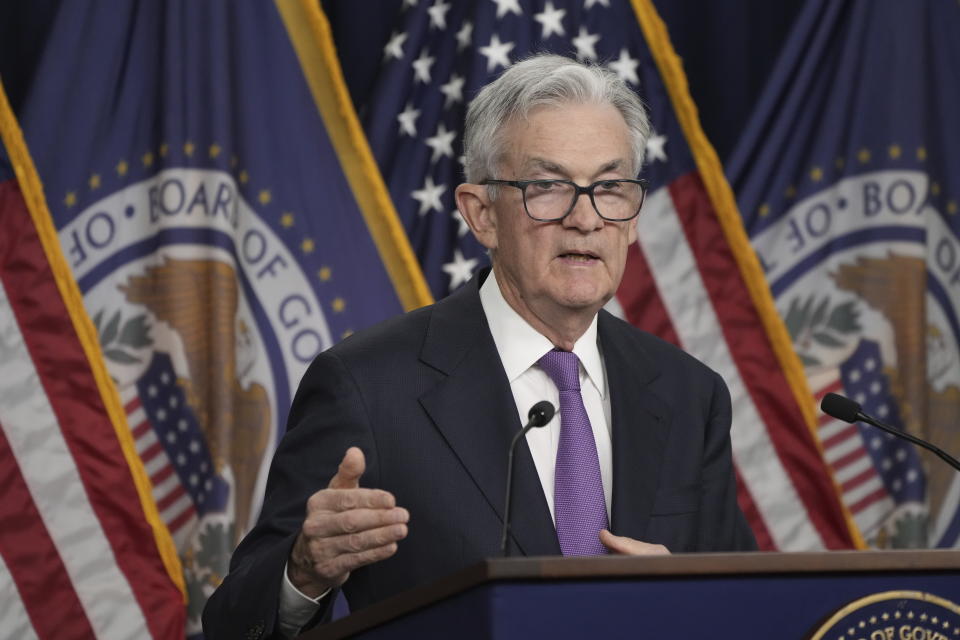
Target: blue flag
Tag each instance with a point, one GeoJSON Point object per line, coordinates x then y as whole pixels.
{"type": "Point", "coordinates": [221, 214]}
{"type": "Point", "coordinates": [849, 181]}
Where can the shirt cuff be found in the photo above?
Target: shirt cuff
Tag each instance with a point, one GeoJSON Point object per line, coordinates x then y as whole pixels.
{"type": "Point", "coordinates": [296, 607]}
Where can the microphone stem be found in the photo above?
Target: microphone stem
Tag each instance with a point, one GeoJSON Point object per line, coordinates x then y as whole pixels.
{"type": "Point", "coordinates": [943, 455]}
{"type": "Point", "coordinates": [507, 501]}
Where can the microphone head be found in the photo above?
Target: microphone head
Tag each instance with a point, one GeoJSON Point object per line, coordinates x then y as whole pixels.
{"type": "Point", "coordinates": [839, 407]}
{"type": "Point", "coordinates": [541, 413]}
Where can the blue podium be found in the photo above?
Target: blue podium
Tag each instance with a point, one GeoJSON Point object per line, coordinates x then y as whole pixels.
{"type": "Point", "coordinates": [860, 595]}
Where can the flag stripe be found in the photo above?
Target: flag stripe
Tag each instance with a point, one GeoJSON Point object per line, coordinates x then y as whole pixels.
{"type": "Point", "coordinates": [754, 359]}
{"type": "Point", "coordinates": [13, 611]}
{"type": "Point", "coordinates": [749, 507]}
{"type": "Point", "coordinates": [50, 473]}
{"type": "Point", "coordinates": [32, 558]}
{"type": "Point", "coordinates": [674, 268]}
{"type": "Point", "coordinates": [641, 302]}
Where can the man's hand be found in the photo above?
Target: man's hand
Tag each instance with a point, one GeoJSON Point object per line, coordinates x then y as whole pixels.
{"type": "Point", "coordinates": [631, 547]}
{"type": "Point", "coordinates": [346, 527]}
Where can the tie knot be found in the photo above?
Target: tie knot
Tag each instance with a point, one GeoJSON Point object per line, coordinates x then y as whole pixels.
{"type": "Point", "coordinates": [563, 367]}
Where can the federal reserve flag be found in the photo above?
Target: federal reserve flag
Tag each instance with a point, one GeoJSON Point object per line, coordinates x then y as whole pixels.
{"type": "Point", "coordinates": [849, 181]}
{"type": "Point", "coordinates": [218, 208]}
{"type": "Point", "coordinates": [691, 278]}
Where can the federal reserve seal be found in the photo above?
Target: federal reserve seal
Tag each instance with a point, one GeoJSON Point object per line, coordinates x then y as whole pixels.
{"type": "Point", "coordinates": [894, 615]}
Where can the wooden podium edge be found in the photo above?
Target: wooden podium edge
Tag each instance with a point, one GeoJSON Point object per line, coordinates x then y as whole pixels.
{"type": "Point", "coordinates": [637, 567]}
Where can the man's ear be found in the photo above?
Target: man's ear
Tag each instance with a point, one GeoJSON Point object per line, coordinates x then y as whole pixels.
{"type": "Point", "coordinates": [477, 209]}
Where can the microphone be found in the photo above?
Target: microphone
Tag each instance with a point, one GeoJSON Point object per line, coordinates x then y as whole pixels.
{"type": "Point", "coordinates": [849, 411]}
{"type": "Point", "coordinates": [539, 415]}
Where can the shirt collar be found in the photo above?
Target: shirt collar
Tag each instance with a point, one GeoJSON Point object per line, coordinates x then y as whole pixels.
{"type": "Point", "coordinates": [520, 346]}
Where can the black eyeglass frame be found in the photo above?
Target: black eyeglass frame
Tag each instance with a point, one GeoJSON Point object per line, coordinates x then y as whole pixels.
{"type": "Point", "coordinates": [579, 191]}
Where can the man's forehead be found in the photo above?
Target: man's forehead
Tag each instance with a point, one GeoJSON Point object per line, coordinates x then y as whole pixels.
{"type": "Point", "coordinates": [532, 163]}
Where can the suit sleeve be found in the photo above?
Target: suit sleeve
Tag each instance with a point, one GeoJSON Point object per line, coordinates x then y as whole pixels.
{"type": "Point", "coordinates": [327, 417]}
{"type": "Point", "coordinates": [723, 526]}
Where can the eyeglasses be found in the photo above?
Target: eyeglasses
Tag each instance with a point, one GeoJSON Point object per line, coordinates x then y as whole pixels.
{"type": "Point", "coordinates": [552, 200]}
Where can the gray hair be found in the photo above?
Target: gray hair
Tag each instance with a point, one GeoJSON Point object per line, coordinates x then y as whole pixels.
{"type": "Point", "coordinates": [544, 80]}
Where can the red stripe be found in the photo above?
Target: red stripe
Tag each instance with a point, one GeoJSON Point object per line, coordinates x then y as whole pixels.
{"type": "Point", "coordinates": [132, 406]}
{"type": "Point", "coordinates": [171, 497]}
{"type": "Point", "coordinates": [868, 500]}
{"type": "Point", "coordinates": [833, 387]}
{"type": "Point", "coordinates": [640, 299]}
{"type": "Point", "coordinates": [141, 430]}
{"type": "Point", "coordinates": [757, 363]}
{"type": "Point", "coordinates": [837, 438]}
{"type": "Point", "coordinates": [859, 479]}
{"type": "Point", "coordinates": [33, 560]}
{"type": "Point", "coordinates": [68, 382]}
{"type": "Point", "coordinates": [161, 475]}
{"type": "Point", "coordinates": [151, 452]}
{"type": "Point", "coordinates": [849, 458]}
{"type": "Point", "coordinates": [754, 517]}
{"type": "Point", "coordinates": [182, 519]}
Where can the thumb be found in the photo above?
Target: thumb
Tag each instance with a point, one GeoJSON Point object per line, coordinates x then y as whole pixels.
{"type": "Point", "coordinates": [351, 468]}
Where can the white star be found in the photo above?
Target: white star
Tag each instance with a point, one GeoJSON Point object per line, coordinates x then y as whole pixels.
{"type": "Point", "coordinates": [590, 3]}
{"type": "Point", "coordinates": [496, 53]}
{"type": "Point", "coordinates": [429, 196]}
{"type": "Point", "coordinates": [460, 269]}
{"type": "Point", "coordinates": [655, 149]}
{"type": "Point", "coordinates": [438, 14]}
{"type": "Point", "coordinates": [453, 90]}
{"type": "Point", "coordinates": [508, 6]}
{"type": "Point", "coordinates": [441, 142]}
{"type": "Point", "coordinates": [584, 42]}
{"type": "Point", "coordinates": [626, 67]}
{"type": "Point", "coordinates": [161, 415]}
{"type": "Point", "coordinates": [462, 226]}
{"type": "Point", "coordinates": [463, 36]}
{"type": "Point", "coordinates": [152, 391]}
{"type": "Point", "coordinates": [549, 21]}
{"type": "Point", "coordinates": [394, 48]}
{"type": "Point", "coordinates": [408, 119]}
{"type": "Point", "coordinates": [409, 3]}
{"type": "Point", "coordinates": [421, 67]}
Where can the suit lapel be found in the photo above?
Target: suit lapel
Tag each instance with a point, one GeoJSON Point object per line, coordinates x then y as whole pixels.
{"type": "Point", "coordinates": [640, 427]}
{"type": "Point", "coordinates": [474, 409]}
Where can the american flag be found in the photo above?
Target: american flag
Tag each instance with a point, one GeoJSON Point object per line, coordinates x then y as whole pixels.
{"type": "Point", "coordinates": [691, 278]}
{"type": "Point", "coordinates": [172, 448]}
{"type": "Point", "coordinates": [875, 470]}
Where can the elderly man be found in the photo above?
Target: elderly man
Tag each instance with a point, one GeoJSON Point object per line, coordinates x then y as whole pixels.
{"type": "Point", "coordinates": [419, 411]}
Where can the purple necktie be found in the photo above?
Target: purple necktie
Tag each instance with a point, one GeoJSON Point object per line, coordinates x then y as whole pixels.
{"type": "Point", "coordinates": [581, 510]}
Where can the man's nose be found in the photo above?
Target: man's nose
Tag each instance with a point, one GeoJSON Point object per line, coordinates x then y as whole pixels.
{"type": "Point", "coordinates": [583, 216]}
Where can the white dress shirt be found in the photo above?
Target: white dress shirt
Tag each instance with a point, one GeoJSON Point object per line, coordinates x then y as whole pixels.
{"type": "Point", "coordinates": [520, 347]}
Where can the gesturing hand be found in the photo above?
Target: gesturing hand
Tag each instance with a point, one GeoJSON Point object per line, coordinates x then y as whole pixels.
{"type": "Point", "coordinates": [346, 527]}
{"type": "Point", "coordinates": [628, 546]}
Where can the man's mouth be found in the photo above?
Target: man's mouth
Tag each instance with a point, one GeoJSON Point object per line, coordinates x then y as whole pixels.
{"type": "Point", "coordinates": [580, 256]}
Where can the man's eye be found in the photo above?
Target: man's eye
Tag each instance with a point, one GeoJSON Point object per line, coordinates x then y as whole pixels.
{"type": "Point", "coordinates": [609, 185]}
{"type": "Point", "coordinates": [542, 187]}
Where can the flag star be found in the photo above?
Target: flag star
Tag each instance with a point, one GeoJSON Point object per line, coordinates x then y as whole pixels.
{"type": "Point", "coordinates": [441, 143]}
{"type": "Point", "coordinates": [550, 21]}
{"type": "Point", "coordinates": [462, 226]}
{"type": "Point", "coordinates": [655, 149]}
{"type": "Point", "coordinates": [453, 90]}
{"type": "Point", "coordinates": [460, 269]}
{"type": "Point", "coordinates": [409, 3]}
{"type": "Point", "coordinates": [408, 119]}
{"type": "Point", "coordinates": [626, 67]}
{"type": "Point", "coordinates": [429, 196]}
{"type": "Point", "coordinates": [394, 48]}
{"type": "Point", "coordinates": [496, 53]}
{"type": "Point", "coordinates": [590, 3]}
{"type": "Point", "coordinates": [584, 42]}
{"type": "Point", "coordinates": [438, 14]}
{"type": "Point", "coordinates": [463, 36]}
{"type": "Point", "coordinates": [508, 6]}
{"type": "Point", "coordinates": [421, 67]}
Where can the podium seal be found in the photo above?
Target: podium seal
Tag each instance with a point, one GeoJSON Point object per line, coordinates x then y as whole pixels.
{"type": "Point", "coordinates": [894, 615]}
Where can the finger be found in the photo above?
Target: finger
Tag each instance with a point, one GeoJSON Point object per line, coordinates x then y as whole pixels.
{"type": "Point", "coordinates": [335, 569]}
{"type": "Point", "coordinates": [328, 524]}
{"type": "Point", "coordinates": [359, 542]}
{"type": "Point", "coordinates": [629, 546]}
{"type": "Point", "coordinates": [350, 470]}
{"type": "Point", "coordinates": [347, 499]}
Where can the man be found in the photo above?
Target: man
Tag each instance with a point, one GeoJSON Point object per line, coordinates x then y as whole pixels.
{"type": "Point", "coordinates": [638, 459]}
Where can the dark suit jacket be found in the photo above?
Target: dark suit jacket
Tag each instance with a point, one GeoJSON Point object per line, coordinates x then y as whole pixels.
{"type": "Point", "coordinates": [426, 398]}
